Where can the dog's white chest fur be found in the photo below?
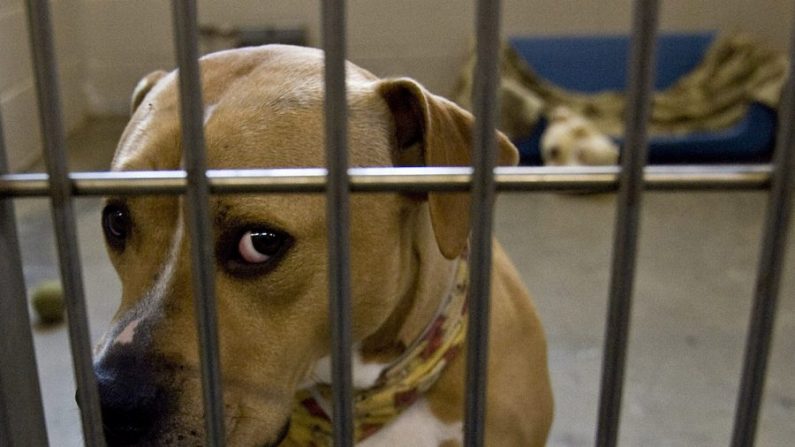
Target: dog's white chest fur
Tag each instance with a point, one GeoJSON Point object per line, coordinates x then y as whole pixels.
{"type": "Point", "coordinates": [416, 426]}
{"type": "Point", "coordinates": [365, 374]}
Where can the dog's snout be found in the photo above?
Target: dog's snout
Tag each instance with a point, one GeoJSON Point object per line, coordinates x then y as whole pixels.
{"type": "Point", "coordinates": [129, 411]}
{"type": "Point", "coordinates": [132, 403]}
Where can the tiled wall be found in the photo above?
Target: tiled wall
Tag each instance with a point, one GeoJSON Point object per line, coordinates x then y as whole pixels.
{"type": "Point", "coordinates": [17, 95]}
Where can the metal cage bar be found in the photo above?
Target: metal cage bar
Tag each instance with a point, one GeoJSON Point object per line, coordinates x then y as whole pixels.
{"type": "Point", "coordinates": [768, 280]}
{"type": "Point", "coordinates": [54, 139]}
{"type": "Point", "coordinates": [311, 180]}
{"type": "Point", "coordinates": [198, 219]}
{"type": "Point", "coordinates": [484, 141]}
{"type": "Point", "coordinates": [338, 218]}
{"type": "Point", "coordinates": [21, 410]}
{"type": "Point", "coordinates": [625, 239]}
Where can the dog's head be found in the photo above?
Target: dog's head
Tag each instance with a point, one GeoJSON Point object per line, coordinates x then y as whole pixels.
{"type": "Point", "coordinates": [264, 108]}
{"type": "Point", "coordinates": [571, 140]}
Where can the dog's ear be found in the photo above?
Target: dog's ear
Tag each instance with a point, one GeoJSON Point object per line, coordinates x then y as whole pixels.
{"type": "Point", "coordinates": [142, 88]}
{"type": "Point", "coordinates": [432, 131]}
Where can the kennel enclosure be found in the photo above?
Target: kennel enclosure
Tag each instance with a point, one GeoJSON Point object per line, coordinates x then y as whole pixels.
{"type": "Point", "coordinates": [21, 414]}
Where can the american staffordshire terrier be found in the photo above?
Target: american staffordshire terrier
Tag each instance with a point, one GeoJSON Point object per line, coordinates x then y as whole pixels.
{"type": "Point", "coordinates": [264, 108]}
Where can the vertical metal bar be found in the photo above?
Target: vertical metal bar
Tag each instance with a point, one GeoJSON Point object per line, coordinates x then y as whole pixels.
{"type": "Point", "coordinates": [337, 216]}
{"type": "Point", "coordinates": [639, 91]}
{"type": "Point", "coordinates": [198, 218]}
{"type": "Point", "coordinates": [21, 411]}
{"type": "Point", "coordinates": [768, 280]}
{"type": "Point", "coordinates": [481, 219]}
{"type": "Point", "coordinates": [63, 217]}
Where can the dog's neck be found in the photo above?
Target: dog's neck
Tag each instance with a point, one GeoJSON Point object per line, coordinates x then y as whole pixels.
{"type": "Point", "coordinates": [424, 280]}
{"type": "Point", "coordinates": [429, 278]}
{"type": "Point", "coordinates": [400, 384]}
{"type": "Point", "coordinates": [404, 357]}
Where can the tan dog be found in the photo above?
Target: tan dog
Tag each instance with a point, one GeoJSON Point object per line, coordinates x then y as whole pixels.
{"type": "Point", "coordinates": [572, 140]}
{"type": "Point", "coordinates": [264, 108]}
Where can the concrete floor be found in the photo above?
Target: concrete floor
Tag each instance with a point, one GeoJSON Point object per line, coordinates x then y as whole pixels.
{"type": "Point", "coordinates": [698, 253]}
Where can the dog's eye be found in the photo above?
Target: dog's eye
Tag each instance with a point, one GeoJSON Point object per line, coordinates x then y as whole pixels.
{"type": "Point", "coordinates": [116, 224]}
{"type": "Point", "coordinates": [259, 246]}
{"type": "Point", "coordinates": [248, 250]}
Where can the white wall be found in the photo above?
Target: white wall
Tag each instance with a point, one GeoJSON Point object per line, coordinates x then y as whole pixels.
{"type": "Point", "coordinates": [17, 95]}
{"type": "Point", "coordinates": [17, 99]}
{"type": "Point", "coordinates": [105, 46]}
{"type": "Point", "coordinates": [424, 39]}
{"type": "Point", "coordinates": [123, 40]}
{"type": "Point", "coordinates": [68, 21]}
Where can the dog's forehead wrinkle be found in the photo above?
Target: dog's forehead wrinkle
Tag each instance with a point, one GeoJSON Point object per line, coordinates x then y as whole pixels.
{"type": "Point", "coordinates": [221, 211]}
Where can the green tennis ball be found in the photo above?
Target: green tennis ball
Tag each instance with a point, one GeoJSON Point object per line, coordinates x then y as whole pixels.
{"type": "Point", "coordinates": [47, 300]}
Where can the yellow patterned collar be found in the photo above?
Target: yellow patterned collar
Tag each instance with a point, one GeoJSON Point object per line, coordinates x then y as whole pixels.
{"type": "Point", "coordinates": [399, 385]}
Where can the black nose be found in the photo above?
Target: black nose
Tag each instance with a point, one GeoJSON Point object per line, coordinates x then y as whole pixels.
{"type": "Point", "coordinates": [131, 402]}
{"type": "Point", "coordinates": [129, 410]}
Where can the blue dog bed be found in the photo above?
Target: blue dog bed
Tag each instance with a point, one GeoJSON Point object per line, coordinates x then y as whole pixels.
{"type": "Point", "coordinates": [560, 60]}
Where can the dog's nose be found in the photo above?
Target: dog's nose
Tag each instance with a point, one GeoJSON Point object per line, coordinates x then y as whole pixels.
{"type": "Point", "coordinates": [128, 410]}
{"type": "Point", "coordinates": [131, 403]}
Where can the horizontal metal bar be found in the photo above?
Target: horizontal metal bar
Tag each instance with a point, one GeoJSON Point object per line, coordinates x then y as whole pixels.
{"type": "Point", "coordinates": [528, 179]}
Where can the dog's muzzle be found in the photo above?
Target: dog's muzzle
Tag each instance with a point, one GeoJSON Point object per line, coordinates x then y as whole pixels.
{"type": "Point", "coordinates": [133, 404]}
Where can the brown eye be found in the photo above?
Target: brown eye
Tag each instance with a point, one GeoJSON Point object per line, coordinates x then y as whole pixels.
{"type": "Point", "coordinates": [116, 224]}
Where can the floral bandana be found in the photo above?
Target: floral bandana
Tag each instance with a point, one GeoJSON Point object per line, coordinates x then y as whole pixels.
{"type": "Point", "coordinates": [399, 385]}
